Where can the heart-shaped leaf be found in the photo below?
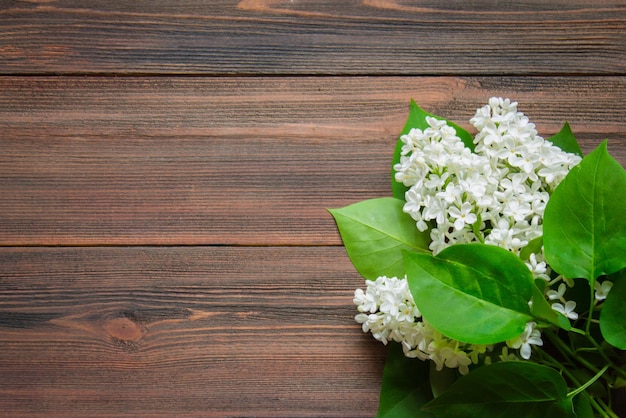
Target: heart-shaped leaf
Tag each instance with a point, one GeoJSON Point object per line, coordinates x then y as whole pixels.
{"type": "Point", "coordinates": [474, 293]}
{"type": "Point", "coordinates": [584, 233]}
{"type": "Point", "coordinates": [613, 313]}
{"type": "Point", "coordinates": [503, 390]}
{"type": "Point", "coordinates": [405, 387]}
{"type": "Point", "coordinates": [375, 232]}
{"type": "Point", "coordinates": [417, 119]}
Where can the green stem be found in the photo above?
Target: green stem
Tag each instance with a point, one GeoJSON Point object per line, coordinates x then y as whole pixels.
{"type": "Point", "coordinates": [578, 331]}
{"type": "Point", "coordinates": [596, 404]}
{"type": "Point", "coordinates": [589, 383]}
{"type": "Point", "coordinates": [565, 350]}
{"type": "Point", "coordinates": [570, 355]}
{"type": "Point", "coordinates": [592, 298]}
{"type": "Point", "coordinates": [606, 409]}
{"type": "Point", "coordinates": [476, 229]}
{"type": "Point", "coordinates": [606, 358]}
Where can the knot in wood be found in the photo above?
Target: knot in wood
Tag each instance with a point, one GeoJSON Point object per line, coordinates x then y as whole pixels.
{"type": "Point", "coordinates": [123, 329]}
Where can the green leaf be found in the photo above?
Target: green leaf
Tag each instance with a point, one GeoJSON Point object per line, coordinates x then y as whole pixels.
{"type": "Point", "coordinates": [582, 406]}
{"type": "Point", "coordinates": [441, 380]}
{"type": "Point", "coordinates": [375, 232]}
{"type": "Point", "coordinates": [474, 293]}
{"type": "Point", "coordinates": [565, 140]}
{"type": "Point", "coordinates": [613, 313]}
{"type": "Point", "coordinates": [417, 119]}
{"type": "Point", "coordinates": [504, 390]}
{"type": "Point", "coordinates": [533, 247]}
{"type": "Point", "coordinates": [584, 233]}
{"type": "Point", "coordinates": [405, 387]}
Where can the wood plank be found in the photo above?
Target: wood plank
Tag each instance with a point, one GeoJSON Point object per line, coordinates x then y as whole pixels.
{"type": "Point", "coordinates": [323, 37]}
{"type": "Point", "coordinates": [202, 331]}
{"type": "Point", "coordinates": [245, 161]}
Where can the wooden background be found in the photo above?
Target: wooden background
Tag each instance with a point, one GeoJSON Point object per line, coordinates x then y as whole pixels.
{"type": "Point", "coordinates": [166, 166]}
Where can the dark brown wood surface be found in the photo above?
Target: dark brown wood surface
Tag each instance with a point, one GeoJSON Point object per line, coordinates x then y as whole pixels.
{"type": "Point", "coordinates": [314, 37]}
{"type": "Point", "coordinates": [165, 170]}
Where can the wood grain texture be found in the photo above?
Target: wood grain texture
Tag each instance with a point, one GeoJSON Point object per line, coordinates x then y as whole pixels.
{"type": "Point", "coordinates": [204, 331]}
{"type": "Point", "coordinates": [322, 37]}
{"type": "Point", "coordinates": [246, 161]}
{"type": "Point", "coordinates": [166, 166]}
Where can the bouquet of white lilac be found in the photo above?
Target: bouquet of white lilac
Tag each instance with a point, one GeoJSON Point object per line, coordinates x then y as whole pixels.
{"type": "Point", "coordinates": [500, 261]}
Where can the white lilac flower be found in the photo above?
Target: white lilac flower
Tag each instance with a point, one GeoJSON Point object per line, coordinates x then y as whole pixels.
{"type": "Point", "coordinates": [566, 309]}
{"type": "Point", "coordinates": [530, 336]}
{"type": "Point", "coordinates": [516, 183]}
{"type": "Point", "coordinates": [506, 356]}
{"type": "Point", "coordinates": [602, 289]}
{"type": "Point", "coordinates": [454, 357]}
{"type": "Point", "coordinates": [446, 352]}
{"type": "Point", "coordinates": [387, 310]}
{"type": "Point", "coordinates": [505, 236]}
{"type": "Point", "coordinates": [366, 302]}
{"type": "Point", "coordinates": [557, 294]}
{"type": "Point", "coordinates": [538, 268]}
{"type": "Point", "coordinates": [508, 178]}
{"type": "Point", "coordinates": [496, 194]}
{"type": "Point", "coordinates": [462, 216]}
{"type": "Point", "coordinates": [435, 209]}
{"type": "Point", "coordinates": [451, 194]}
